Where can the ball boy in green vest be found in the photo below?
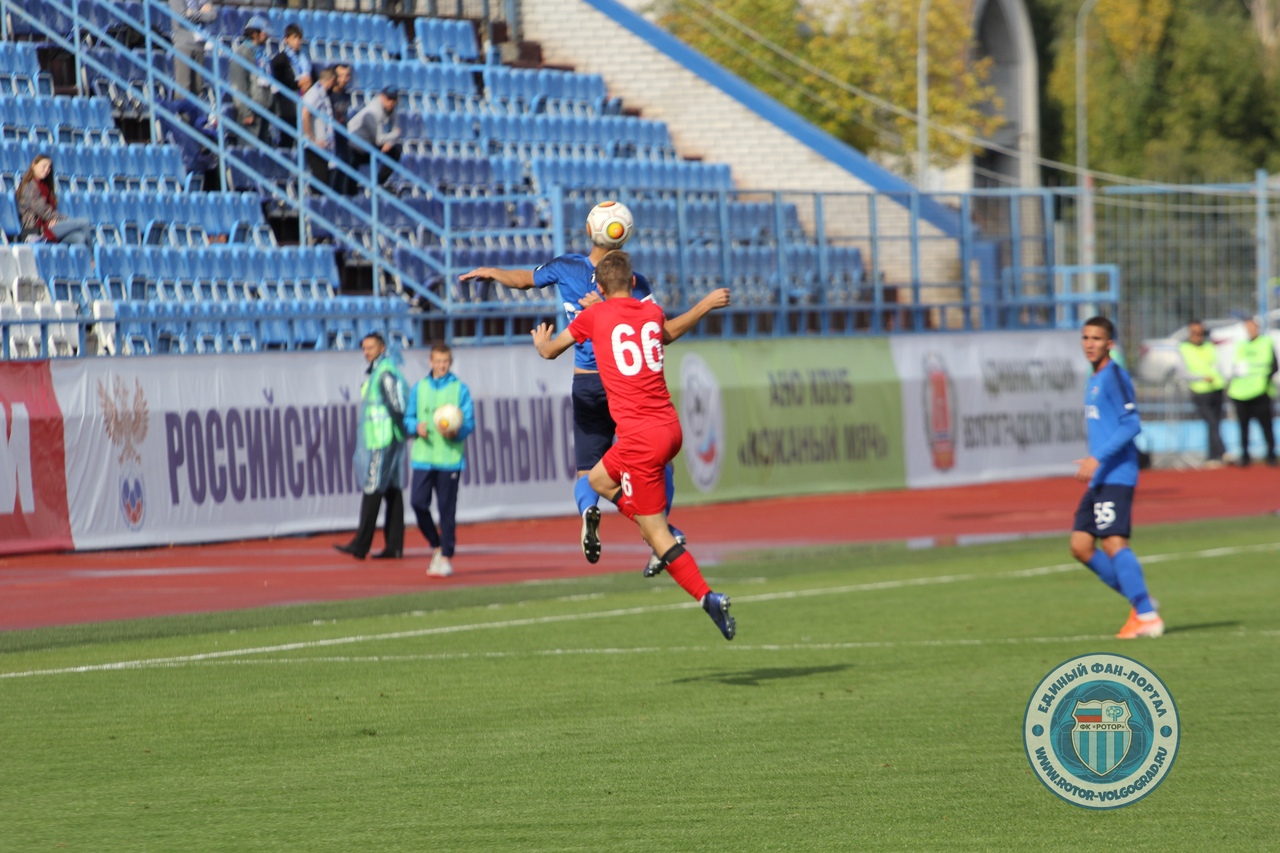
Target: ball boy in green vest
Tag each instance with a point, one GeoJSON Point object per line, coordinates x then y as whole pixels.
{"type": "Point", "coordinates": [438, 457]}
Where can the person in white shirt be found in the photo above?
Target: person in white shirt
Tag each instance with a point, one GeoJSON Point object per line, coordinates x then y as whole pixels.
{"type": "Point", "coordinates": [317, 126]}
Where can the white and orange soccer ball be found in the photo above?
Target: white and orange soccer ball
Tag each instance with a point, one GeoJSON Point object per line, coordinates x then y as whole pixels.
{"type": "Point", "coordinates": [610, 224]}
{"type": "Point", "coordinates": [447, 418]}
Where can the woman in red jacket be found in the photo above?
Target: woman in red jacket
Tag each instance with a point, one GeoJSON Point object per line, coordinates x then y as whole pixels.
{"type": "Point", "coordinates": [38, 207]}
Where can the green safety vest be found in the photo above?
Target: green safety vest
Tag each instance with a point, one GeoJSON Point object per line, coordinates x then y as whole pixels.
{"type": "Point", "coordinates": [1202, 360]}
{"type": "Point", "coordinates": [380, 429]}
{"type": "Point", "coordinates": [436, 451]}
{"type": "Point", "coordinates": [1254, 364]}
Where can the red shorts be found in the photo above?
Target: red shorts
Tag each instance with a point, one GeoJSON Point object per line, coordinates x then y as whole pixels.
{"type": "Point", "coordinates": [638, 462]}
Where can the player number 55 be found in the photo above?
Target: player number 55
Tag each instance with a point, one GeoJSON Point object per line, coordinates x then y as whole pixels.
{"type": "Point", "coordinates": [629, 355]}
{"type": "Point", "coordinates": [1104, 512]}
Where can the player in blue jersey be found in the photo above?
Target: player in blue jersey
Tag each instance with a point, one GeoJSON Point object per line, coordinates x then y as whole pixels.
{"type": "Point", "coordinates": [1100, 535]}
{"type": "Point", "coordinates": [574, 277]}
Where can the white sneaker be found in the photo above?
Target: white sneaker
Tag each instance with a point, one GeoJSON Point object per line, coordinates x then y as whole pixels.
{"type": "Point", "coordinates": [440, 566]}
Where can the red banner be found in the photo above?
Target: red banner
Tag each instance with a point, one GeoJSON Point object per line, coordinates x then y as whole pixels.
{"type": "Point", "coordinates": [33, 476]}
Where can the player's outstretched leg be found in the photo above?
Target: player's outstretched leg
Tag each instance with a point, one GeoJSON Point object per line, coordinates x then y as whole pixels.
{"type": "Point", "coordinates": [586, 498]}
{"type": "Point", "coordinates": [684, 571]}
{"type": "Point", "coordinates": [655, 565]}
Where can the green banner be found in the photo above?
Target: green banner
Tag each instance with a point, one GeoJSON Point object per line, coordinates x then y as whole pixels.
{"type": "Point", "coordinates": [785, 417]}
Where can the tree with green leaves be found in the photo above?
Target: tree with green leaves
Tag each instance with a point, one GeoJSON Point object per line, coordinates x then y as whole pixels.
{"type": "Point", "coordinates": [850, 68]}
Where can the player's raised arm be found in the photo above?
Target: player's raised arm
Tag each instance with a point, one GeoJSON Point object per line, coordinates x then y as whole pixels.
{"type": "Point", "coordinates": [677, 326]}
{"type": "Point", "coordinates": [516, 279]}
{"type": "Point", "coordinates": [548, 346]}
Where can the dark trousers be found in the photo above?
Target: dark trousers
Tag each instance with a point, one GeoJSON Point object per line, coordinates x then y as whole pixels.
{"type": "Point", "coordinates": [1259, 409]}
{"type": "Point", "coordinates": [360, 162]}
{"type": "Point", "coordinates": [445, 486]}
{"type": "Point", "coordinates": [393, 529]}
{"type": "Point", "coordinates": [1209, 408]}
{"type": "Point", "coordinates": [318, 165]}
{"type": "Point", "coordinates": [288, 114]}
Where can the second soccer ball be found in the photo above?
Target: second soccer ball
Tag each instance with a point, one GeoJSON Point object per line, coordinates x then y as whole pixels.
{"type": "Point", "coordinates": [447, 418]}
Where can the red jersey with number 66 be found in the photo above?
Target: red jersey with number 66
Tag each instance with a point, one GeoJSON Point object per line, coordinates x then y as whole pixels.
{"type": "Point", "coordinates": [627, 337]}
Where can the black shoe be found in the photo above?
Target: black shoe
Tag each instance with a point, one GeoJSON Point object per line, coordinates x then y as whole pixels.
{"type": "Point", "coordinates": [387, 555]}
{"type": "Point", "coordinates": [591, 534]}
{"type": "Point", "coordinates": [350, 549]}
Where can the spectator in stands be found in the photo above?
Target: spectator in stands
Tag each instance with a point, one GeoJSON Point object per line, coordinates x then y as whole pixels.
{"type": "Point", "coordinates": [340, 94]}
{"type": "Point", "coordinates": [189, 41]}
{"type": "Point", "coordinates": [37, 200]}
{"type": "Point", "coordinates": [317, 125]}
{"type": "Point", "coordinates": [252, 87]}
{"type": "Point", "coordinates": [291, 68]}
{"type": "Point", "coordinates": [340, 98]}
{"type": "Point", "coordinates": [376, 125]}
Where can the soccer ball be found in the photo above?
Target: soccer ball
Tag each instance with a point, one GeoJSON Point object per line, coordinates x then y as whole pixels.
{"type": "Point", "coordinates": [610, 224]}
{"type": "Point", "coordinates": [447, 418]}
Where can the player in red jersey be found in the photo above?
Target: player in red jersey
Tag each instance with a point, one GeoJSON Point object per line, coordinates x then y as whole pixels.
{"type": "Point", "coordinates": [628, 337]}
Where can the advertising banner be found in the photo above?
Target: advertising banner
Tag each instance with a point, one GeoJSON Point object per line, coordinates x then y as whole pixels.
{"type": "Point", "coordinates": [785, 417]}
{"type": "Point", "coordinates": [989, 407]}
{"type": "Point", "coordinates": [33, 488]}
{"type": "Point", "coordinates": [182, 449]}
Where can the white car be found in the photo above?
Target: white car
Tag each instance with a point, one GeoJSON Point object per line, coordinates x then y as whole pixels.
{"type": "Point", "coordinates": [1160, 361]}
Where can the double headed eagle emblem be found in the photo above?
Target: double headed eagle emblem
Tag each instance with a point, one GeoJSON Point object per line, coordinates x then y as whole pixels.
{"type": "Point", "coordinates": [125, 422]}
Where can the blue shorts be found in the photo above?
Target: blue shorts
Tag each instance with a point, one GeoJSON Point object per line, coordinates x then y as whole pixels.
{"type": "Point", "coordinates": [593, 426]}
{"type": "Point", "coordinates": [1105, 510]}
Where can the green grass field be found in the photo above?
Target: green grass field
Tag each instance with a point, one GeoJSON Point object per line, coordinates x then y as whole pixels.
{"type": "Point", "coordinates": [873, 700]}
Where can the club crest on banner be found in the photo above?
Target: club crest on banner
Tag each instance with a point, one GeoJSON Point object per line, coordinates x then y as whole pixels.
{"type": "Point", "coordinates": [702, 419]}
{"type": "Point", "coordinates": [125, 419]}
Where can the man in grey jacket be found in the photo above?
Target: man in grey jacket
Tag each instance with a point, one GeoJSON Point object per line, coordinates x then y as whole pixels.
{"type": "Point", "coordinates": [376, 125]}
{"type": "Point", "coordinates": [253, 86]}
{"type": "Point", "coordinates": [189, 40]}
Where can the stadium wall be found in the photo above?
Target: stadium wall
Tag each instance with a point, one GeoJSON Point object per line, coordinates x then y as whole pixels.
{"type": "Point", "coordinates": [113, 453]}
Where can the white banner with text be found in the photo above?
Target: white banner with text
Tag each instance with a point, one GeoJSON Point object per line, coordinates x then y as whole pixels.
{"type": "Point", "coordinates": [171, 449]}
{"type": "Point", "coordinates": [989, 407]}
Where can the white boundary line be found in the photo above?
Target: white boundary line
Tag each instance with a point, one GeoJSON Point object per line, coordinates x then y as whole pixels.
{"type": "Point", "coordinates": [636, 611]}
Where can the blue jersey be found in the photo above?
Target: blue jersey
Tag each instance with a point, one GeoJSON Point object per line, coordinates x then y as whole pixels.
{"type": "Point", "coordinates": [575, 276]}
{"type": "Point", "coordinates": [1111, 415]}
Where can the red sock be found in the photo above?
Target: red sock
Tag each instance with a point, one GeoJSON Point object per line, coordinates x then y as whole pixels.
{"type": "Point", "coordinates": [684, 571]}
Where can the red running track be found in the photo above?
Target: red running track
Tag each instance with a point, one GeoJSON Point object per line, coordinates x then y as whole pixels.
{"type": "Point", "coordinates": [39, 590]}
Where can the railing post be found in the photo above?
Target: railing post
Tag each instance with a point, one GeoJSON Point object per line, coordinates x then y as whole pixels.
{"type": "Point", "coordinates": [915, 259]}
{"type": "Point", "coordinates": [375, 232]}
{"type": "Point", "coordinates": [1263, 247]}
{"type": "Point", "coordinates": [966, 249]}
{"type": "Point", "coordinates": [151, 72]}
{"type": "Point", "coordinates": [877, 286]}
{"type": "Point", "coordinates": [219, 91]}
{"type": "Point", "coordinates": [304, 174]}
